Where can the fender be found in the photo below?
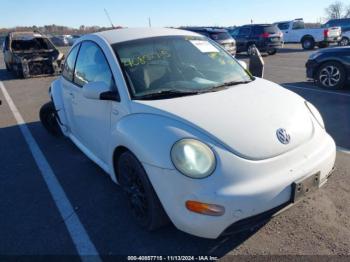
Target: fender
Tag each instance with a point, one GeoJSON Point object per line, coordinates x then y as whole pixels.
{"type": "Point", "coordinates": [55, 93]}
{"type": "Point", "coordinates": [150, 137]}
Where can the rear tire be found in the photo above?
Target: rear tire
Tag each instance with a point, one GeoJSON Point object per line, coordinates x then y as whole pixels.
{"type": "Point", "coordinates": [250, 49]}
{"type": "Point", "coordinates": [143, 200]}
{"type": "Point", "coordinates": [344, 41]}
{"type": "Point", "coordinates": [48, 118]}
{"type": "Point", "coordinates": [308, 43]}
{"type": "Point", "coordinates": [331, 75]}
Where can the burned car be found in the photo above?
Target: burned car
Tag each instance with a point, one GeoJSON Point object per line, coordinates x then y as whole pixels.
{"type": "Point", "coordinates": [30, 54]}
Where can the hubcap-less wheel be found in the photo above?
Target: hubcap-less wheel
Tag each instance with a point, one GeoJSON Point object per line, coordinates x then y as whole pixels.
{"type": "Point", "coordinates": [132, 186]}
{"type": "Point", "coordinates": [143, 201]}
{"type": "Point", "coordinates": [307, 44]}
{"type": "Point", "coordinates": [344, 42]}
{"type": "Point", "coordinates": [330, 76]}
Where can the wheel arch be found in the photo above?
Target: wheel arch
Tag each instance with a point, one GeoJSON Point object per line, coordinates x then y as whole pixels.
{"type": "Point", "coordinates": [150, 137]}
{"type": "Point", "coordinates": [56, 95]}
{"type": "Point", "coordinates": [306, 37]}
{"type": "Point", "coordinates": [118, 151]}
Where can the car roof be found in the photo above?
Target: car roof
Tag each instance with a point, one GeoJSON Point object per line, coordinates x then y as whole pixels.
{"type": "Point", "coordinates": [205, 29]}
{"type": "Point", "coordinates": [251, 25]}
{"type": "Point", "coordinates": [128, 34]}
{"type": "Point", "coordinates": [26, 35]}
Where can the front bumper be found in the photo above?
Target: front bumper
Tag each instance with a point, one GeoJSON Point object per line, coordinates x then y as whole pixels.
{"type": "Point", "coordinates": [245, 188]}
{"type": "Point", "coordinates": [311, 68]}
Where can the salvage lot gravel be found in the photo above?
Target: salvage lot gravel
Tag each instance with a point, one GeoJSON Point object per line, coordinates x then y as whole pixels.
{"type": "Point", "coordinates": [30, 223]}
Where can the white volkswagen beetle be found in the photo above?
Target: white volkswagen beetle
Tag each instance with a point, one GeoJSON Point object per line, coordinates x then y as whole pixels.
{"type": "Point", "coordinates": [186, 131]}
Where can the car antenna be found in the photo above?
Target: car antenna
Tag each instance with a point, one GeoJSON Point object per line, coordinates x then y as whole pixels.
{"type": "Point", "coordinates": [108, 17]}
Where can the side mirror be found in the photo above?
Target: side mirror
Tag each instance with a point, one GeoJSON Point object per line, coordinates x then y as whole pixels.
{"type": "Point", "coordinates": [243, 64]}
{"type": "Point", "coordinates": [99, 91]}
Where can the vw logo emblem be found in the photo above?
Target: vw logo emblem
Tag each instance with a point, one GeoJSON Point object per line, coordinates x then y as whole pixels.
{"type": "Point", "coordinates": [283, 136]}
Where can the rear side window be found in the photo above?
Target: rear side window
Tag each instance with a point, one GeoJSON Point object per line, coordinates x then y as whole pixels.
{"type": "Point", "coordinates": [283, 26]}
{"type": "Point", "coordinates": [92, 66]}
{"type": "Point", "coordinates": [68, 69]}
{"type": "Point", "coordinates": [298, 25]}
{"type": "Point", "coordinates": [244, 32]}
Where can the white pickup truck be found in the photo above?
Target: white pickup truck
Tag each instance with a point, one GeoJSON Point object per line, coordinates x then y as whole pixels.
{"type": "Point", "coordinates": [295, 32]}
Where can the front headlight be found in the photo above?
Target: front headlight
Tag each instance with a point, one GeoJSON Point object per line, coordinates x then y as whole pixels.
{"type": "Point", "coordinates": [193, 158]}
{"type": "Point", "coordinates": [313, 110]}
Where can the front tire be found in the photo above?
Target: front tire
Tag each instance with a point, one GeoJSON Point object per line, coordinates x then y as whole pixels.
{"type": "Point", "coordinates": [272, 51]}
{"type": "Point", "coordinates": [331, 75]}
{"type": "Point", "coordinates": [308, 43]}
{"type": "Point", "coordinates": [143, 201]}
{"type": "Point", "coordinates": [48, 118]}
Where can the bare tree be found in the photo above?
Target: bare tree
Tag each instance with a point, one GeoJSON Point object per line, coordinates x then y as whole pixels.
{"type": "Point", "coordinates": [338, 10]}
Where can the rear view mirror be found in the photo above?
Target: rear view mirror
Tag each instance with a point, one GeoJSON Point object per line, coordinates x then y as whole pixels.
{"type": "Point", "coordinates": [99, 91]}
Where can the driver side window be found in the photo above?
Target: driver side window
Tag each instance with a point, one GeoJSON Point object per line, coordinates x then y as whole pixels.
{"type": "Point", "coordinates": [92, 66]}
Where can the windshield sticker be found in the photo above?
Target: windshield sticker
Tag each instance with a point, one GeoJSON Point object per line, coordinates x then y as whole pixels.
{"type": "Point", "coordinates": [145, 59]}
{"type": "Point", "coordinates": [204, 46]}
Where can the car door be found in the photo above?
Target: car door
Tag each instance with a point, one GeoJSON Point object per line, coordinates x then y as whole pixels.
{"type": "Point", "coordinates": [92, 118]}
{"type": "Point", "coordinates": [243, 38]}
{"type": "Point", "coordinates": [284, 27]}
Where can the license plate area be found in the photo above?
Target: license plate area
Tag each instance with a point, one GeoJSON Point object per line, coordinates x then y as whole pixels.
{"type": "Point", "coordinates": [304, 187]}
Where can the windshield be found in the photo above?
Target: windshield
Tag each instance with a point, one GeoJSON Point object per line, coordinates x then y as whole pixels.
{"type": "Point", "coordinates": [33, 44]}
{"type": "Point", "coordinates": [179, 64]}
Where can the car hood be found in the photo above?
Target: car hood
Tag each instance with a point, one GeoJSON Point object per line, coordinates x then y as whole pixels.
{"type": "Point", "coordinates": [340, 49]}
{"type": "Point", "coordinates": [244, 118]}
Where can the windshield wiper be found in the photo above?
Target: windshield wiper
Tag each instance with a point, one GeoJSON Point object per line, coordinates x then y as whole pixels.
{"type": "Point", "coordinates": [228, 84]}
{"type": "Point", "coordinates": [164, 94]}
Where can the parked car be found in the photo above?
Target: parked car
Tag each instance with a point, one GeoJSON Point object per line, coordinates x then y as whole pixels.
{"type": "Point", "coordinates": [30, 54]}
{"type": "Point", "coordinates": [343, 23]}
{"type": "Point", "coordinates": [345, 39]}
{"type": "Point", "coordinates": [72, 38]}
{"type": "Point", "coordinates": [219, 35]}
{"type": "Point", "coordinates": [266, 37]}
{"type": "Point", "coordinates": [330, 68]}
{"type": "Point", "coordinates": [60, 40]}
{"type": "Point", "coordinates": [168, 115]}
{"type": "Point", "coordinates": [295, 32]}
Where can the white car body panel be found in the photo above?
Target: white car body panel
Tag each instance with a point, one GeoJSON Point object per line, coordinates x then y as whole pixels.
{"type": "Point", "coordinates": [254, 171]}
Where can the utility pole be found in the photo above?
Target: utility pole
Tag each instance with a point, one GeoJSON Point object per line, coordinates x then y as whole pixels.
{"type": "Point", "coordinates": [149, 22]}
{"type": "Point", "coordinates": [108, 17]}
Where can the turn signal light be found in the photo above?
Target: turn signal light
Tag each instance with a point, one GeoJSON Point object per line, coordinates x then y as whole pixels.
{"type": "Point", "coordinates": [205, 209]}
